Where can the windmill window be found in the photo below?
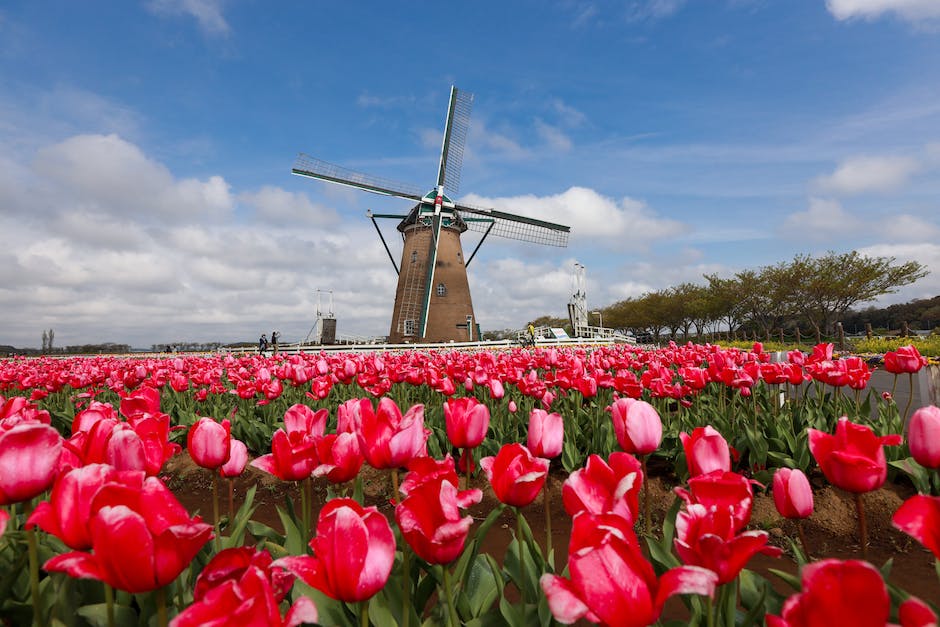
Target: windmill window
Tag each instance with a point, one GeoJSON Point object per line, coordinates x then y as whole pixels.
{"type": "Point", "coordinates": [441, 289]}
{"type": "Point", "coordinates": [414, 256]}
{"type": "Point", "coordinates": [409, 327]}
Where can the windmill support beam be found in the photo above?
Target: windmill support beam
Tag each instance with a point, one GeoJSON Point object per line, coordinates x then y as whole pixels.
{"type": "Point", "coordinates": [382, 237]}
{"type": "Point", "coordinates": [480, 243]}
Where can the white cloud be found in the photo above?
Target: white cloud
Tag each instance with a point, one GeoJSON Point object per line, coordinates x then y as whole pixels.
{"type": "Point", "coordinates": [279, 207]}
{"type": "Point", "coordinates": [639, 10]}
{"type": "Point", "coordinates": [115, 177]}
{"type": "Point", "coordinates": [822, 220]}
{"type": "Point", "coordinates": [908, 228]}
{"type": "Point", "coordinates": [869, 174]}
{"type": "Point", "coordinates": [912, 10]}
{"type": "Point", "coordinates": [208, 13]}
{"type": "Point", "coordinates": [553, 136]}
{"type": "Point", "coordinates": [591, 216]}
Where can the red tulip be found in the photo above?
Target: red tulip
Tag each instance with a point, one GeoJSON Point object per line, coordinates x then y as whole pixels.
{"type": "Point", "coordinates": [237, 459]}
{"type": "Point", "coordinates": [467, 420]}
{"type": "Point", "coordinates": [515, 474]}
{"type": "Point", "coordinates": [429, 516]}
{"type": "Point", "coordinates": [239, 587]}
{"type": "Point", "coordinates": [290, 459]}
{"type": "Point", "coordinates": [854, 458]}
{"type": "Point", "coordinates": [142, 539]}
{"type": "Point", "coordinates": [29, 461]}
{"type": "Point", "coordinates": [637, 426]}
{"type": "Point", "coordinates": [339, 457]}
{"type": "Point", "coordinates": [546, 433]}
{"type": "Point", "coordinates": [601, 488]}
{"type": "Point", "coordinates": [793, 495]}
{"type": "Point", "coordinates": [907, 359]}
{"type": "Point", "coordinates": [302, 419]}
{"type": "Point", "coordinates": [915, 613]}
{"type": "Point", "coordinates": [145, 400]}
{"type": "Point", "coordinates": [610, 580]}
{"type": "Point", "coordinates": [209, 443]}
{"type": "Point", "coordinates": [67, 513]}
{"type": "Point", "coordinates": [705, 451]}
{"type": "Point", "coordinates": [836, 592]}
{"type": "Point", "coordinates": [919, 517]}
{"type": "Point", "coordinates": [353, 552]}
{"type": "Point", "coordinates": [390, 440]}
{"type": "Point", "coordinates": [923, 436]}
{"type": "Point", "coordinates": [727, 491]}
{"type": "Point", "coordinates": [708, 538]}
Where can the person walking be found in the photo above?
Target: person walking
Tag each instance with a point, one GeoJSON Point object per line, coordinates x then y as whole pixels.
{"type": "Point", "coordinates": [275, 336]}
{"type": "Point", "coordinates": [262, 344]}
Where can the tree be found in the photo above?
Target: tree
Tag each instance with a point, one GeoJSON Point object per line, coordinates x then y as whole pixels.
{"type": "Point", "coordinates": [830, 285]}
{"type": "Point", "coordinates": [45, 340]}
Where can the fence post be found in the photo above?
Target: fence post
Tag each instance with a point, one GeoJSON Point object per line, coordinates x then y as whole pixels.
{"type": "Point", "coordinates": [841, 332]}
{"type": "Point", "coordinates": [904, 329]}
{"type": "Point", "coordinates": [781, 336]}
{"type": "Point", "coordinates": [798, 341]}
{"type": "Point", "coordinates": [868, 330]}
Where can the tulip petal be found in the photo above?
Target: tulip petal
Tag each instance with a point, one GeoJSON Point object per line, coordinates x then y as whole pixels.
{"type": "Point", "coordinates": [563, 600]}
{"type": "Point", "coordinates": [76, 564]}
{"type": "Point", "coordinates": [302, 611]}
{"type": "Point", "coordinates": [919, 517]}
{"type": "Point", "coordinates": [685, 580]}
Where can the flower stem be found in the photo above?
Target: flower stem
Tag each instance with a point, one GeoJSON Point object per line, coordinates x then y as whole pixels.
{"type": "Point", "coordinates": [406, 585]}
{"type": "Point", "coordinates": [862, 526]}
{"type": "Point", "coordinates": [33, 549]}
{"type": "Point", "coordinates": [215, 513]}
{"type": "Point", "coordinates": [799, 530]}
{"type": "Point", "coordinates": [231, 499]}
{"type": "Point", "coordinates": [395, 484]}
{"type": "Point", "coordinates": [364, 613]}
{"type": "Point", "coordinates": [910, 397]}
{"type": "Point", "coordinates": [468, 454]}
{"type": "Point", "coordinates": [521, 556]}
{"type": "Point", "coordinates": [449, 596]}
{"type": "Point", "coordinates": [161, 607]}
{"type": "Point", "coordinates": [546, 494]}
{"type": "Point", "coordinates": [647, 518]}
{"type": "Point", "coordinates": [109, 601]}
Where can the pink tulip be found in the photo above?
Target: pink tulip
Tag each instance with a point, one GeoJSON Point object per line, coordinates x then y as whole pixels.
{"type": "Point", "coordinates": [339, 457]}
{"type": "Point", "coordinates": [349, 415]}
{"type": "Point", "coordinates": [467, 421]}
{"type": "Point", "coordinates": [923, 436]}
{"type": "Point", "coordinates": [610, 581]}
{"type": "Point", "coordinates": [919, 517]}
{"type": "Point", "coordinates": [705, 451]}
{"type": "Point", "coordinates": [67, 513]}
{"type": "Point", "coordinates": [853, 459]}
{"type": "Point", "coordinates": [390, 440]}
{"type": "Point", "coordinates": [142, 539]}
{"type": "Point", "coordinates": [290, 459]}
{"type": "Point", "coordinates": [836, 592]}
{"type": "Point", "coordinates": [515, 474]}
{"type": "Point", "coordinates": [209, 443]}
{"type": "Point", "coordinates": [29, 461]}
{"type": "Point", "coordinates": [237, 459]}
{"type": "Point", "coordinates": [429, 515]}
{"type": "Point", "coordinates": [4, 518]}
{"type": "Point", "coordinates": [546, 433]}
{"type": "Point", "coordinates": [302, 419]}
{"type": "Point", "coordinates": [605, 487]}
{"type": "Point", "coordinates": [240, 586]}
{"type": "Point", "coordinates": [726, 491]}
{"type": "Point", "coordinates": [708, 538]}
{"type": "Point", "coordinates": [353, 552]}
{"type": "Point", "coordinates": [915, 613]}
{"type": "Point", "coordinates": [637, 426]}
{"type": "Point", "coordinates": [905, 360]}
{"type": "Point", "coordinates": [793, 495]}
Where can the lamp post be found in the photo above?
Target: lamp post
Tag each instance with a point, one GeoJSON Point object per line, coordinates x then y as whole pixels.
{"type": "Point", "coordinates": [600, 318]}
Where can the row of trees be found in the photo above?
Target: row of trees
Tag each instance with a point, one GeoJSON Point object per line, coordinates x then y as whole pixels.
{"type": "Point", "coordinates": [808, 293]}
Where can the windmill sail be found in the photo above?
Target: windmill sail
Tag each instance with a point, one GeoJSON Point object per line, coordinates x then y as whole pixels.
{"type": "Point", "coordinates": [512, 226]}
{"type": "Point", "coordinates": [311, 167]}
{"type": "Point", "coordinates": [455, 137]}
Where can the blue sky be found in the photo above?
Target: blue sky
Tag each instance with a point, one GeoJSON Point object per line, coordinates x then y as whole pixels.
{"type": "Point", "coordinates": [145, 151]}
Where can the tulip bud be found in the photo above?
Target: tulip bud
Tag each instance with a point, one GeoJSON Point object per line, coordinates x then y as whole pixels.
{"type": "Point", "coordinates": [793, 495]}
{"type": "Point", "coordinates": [923, 436]}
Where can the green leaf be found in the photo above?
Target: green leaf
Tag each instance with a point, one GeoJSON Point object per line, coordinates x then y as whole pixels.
{"type": "Point", "coordinates": [792, 580]}
{"type": "Point", "coordinates": [239, 524]}
{"type": "Point", "coordinates": [97, 615]}
{"type": "Point", "coordinates": [482, 587]}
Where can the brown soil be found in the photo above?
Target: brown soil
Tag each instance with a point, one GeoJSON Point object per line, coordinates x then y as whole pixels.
{"type": "Point", "coordinates": [830, 532]}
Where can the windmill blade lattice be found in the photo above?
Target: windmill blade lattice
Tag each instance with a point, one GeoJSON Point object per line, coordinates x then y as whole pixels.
{"type": "Point", "coordinates": [512, 226]}
{"type": "Point", "coordinates": [455, 137]}
{"type": "Point", "coordinates": [311, 167]}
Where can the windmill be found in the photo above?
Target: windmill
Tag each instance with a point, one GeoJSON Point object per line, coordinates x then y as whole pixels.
{"type": "Point", "coordinates": [432, 300]}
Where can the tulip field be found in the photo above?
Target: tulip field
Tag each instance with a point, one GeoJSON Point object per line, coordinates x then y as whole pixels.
{"type": "Point", "coordinates": [93, 530]}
